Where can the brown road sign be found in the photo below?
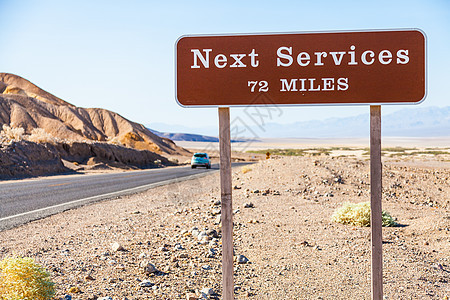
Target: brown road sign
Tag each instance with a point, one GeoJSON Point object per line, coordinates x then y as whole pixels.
{"type": "Point", "coordinates": [366, 67]}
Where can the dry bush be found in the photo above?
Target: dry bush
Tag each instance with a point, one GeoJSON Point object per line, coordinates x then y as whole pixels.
{"type": "Point", "coordinates": [22, 278]}
{"type": "Point", "coordinates": [39, 135]}
{"type": "Point", "coordinates": [358, 214]}
{"type": "Point", "coordinates": [245, 169]}
{"type": "Point", "coordinates": [12, 133]}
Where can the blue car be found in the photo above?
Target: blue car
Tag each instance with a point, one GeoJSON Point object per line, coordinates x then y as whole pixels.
{"type": "Point", "coordinates": [200, 160]}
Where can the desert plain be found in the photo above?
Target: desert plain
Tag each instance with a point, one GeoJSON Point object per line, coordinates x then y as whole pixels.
{"type": "Point", "coordinates": [165, 243]}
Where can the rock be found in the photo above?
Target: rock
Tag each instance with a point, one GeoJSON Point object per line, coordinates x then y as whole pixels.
{"type": "Point", "coordinates": [89, 277]}
{"type": "Point", "coordinates": [146, 283]}
{"type": "Point", "coordinates": [211, 253]}
{"type": "Point", "coordinates": [203, 236]}
{"type": "Point", "coordinates": [206, 267]}
{"type": "Point", "coordinates": [218, 219]}
{"type": "Point", "coordinates": [249, 205]}
{"type": "Point", "coordinates": [216, 211]}
{"type": "Point", "coordinates": [256, 191]}
{"type": "Point", "coordinates": [207, 291]}
{"type": "Point", "coordinates": [117, 247]}
{"type": "Point", "coordinates": [237, 187]}
{"type": "Point", "coordinates": [67, 297]}
{"type": "Point", "coordinates": [105, 298]}
{"type": "Point", "coordinates": [195, 231]}
{"type": "Point", "coordinates": [191, 296]}
{"type": "Point", "coordinates": [212, 233]}
{"type": "Point", "coordinates": [241, 259]}
{"type": "Point", "coordinates": [148, 267]}
{"type": "Point", "coordinates": [163, 249]}
{"type": "Point", "coordinates": [178, 246]}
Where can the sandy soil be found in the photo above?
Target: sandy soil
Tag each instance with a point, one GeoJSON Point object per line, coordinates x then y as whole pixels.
{"type": "Point", "coordinates": [294, 250]}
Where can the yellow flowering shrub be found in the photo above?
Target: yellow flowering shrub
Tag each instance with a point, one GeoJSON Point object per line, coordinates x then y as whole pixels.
{"type": "Point", "coordinates": [23, 279]}
{"type": "Point", "coordinates": [245, 169]}
{"type": "Point", "coordinates": [358, 214]}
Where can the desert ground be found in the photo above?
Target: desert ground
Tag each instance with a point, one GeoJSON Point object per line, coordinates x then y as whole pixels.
{"type": "Point", "coordinates": [282, 225]}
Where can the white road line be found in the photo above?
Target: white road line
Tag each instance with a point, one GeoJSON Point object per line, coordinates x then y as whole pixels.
{"type": "Point", "coordinates": [110, 195]}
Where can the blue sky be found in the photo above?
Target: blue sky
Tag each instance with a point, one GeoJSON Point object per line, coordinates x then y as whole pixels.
{"type": "Point", "coordinates": [120, 55]}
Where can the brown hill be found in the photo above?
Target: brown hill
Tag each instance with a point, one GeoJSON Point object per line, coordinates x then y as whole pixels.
{"type": "Point", "coordinates": [23, 104]}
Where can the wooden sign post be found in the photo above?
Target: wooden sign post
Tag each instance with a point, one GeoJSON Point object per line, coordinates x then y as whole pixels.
{"type": "Point", "coordinates": [316, 68]}
{"type": "Point", "coordinates": [375, 202]}
{"type": "Point", "coordinates": [227, 209]}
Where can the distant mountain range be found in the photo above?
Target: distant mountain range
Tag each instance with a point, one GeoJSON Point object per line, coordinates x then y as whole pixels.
{"type": "Point", "coordinates": [408, 122]}
{"type": "Point", "coordinates": [185, 136]}
{"type": "Point", "coordinates": [190, 137]}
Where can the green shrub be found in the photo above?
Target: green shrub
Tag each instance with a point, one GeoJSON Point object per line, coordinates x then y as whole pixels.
{"type": "Point", "coordinates": [23, 279]}
{"type": "Point", "coordinates": [358, 214]}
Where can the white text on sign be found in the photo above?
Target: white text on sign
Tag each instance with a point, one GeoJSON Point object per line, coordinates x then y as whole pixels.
{"type": "Point", "coordinates": [285, 58]}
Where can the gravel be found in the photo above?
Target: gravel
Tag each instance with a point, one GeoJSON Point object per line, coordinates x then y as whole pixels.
{"type": "Point", "coordinates": [292, 249]}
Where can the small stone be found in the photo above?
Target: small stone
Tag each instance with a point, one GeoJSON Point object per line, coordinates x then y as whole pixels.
{"type": "Point", "coordinates": [148, 267]}
{"type": "Point", "coordinates": [218, 219]}
{"type": "Point", "coordinates": [146, 283]}
{"type": "Point", "coordinates": [276, 193]}
{"type": "Point", "coordinates": [89, 277]}
{"type": "Point", "coordinates": [142, 255]}
{"type": "Point", "coordinates": [211, 253]}
{"type": "Point", "coordinates": [249, 205]}
{"type": "Point", "coordinates": [117, 247]}
{"type": "Point", "coordinates": [241, 259]}
{"type": "Point", "coordinates": [216, 211]}
{"type": "Point", "coordinates": [112, 262]}
{"type": "Point", "coordinates": [163, 249]}
{"type": "Point", "coordinates": [203, 235]}
{"type": "Point", "coordinates": [256, 191]}
{"type": "Point", "coordinates": [213, 233]}
{"type": "Point", "coordinates": [237, 187]}
{"type": "Point", "coordinates": [206, 267]}
{"type": "Point", "coordinates": [207, 291]}
{"type": "Point", "coordinates": [195, 231]}
{"type": "Point", "coordinates": [67, 297]}
{"type": "Point", "coordinates": [105, 298]}
{"type": "Point", "coordinates": [191, 296]}
{"type": "Point", "coordinates": [178, 247]}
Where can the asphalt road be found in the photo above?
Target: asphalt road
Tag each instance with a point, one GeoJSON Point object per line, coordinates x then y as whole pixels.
{"type": "Point", "coordinates": [22, 201]}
